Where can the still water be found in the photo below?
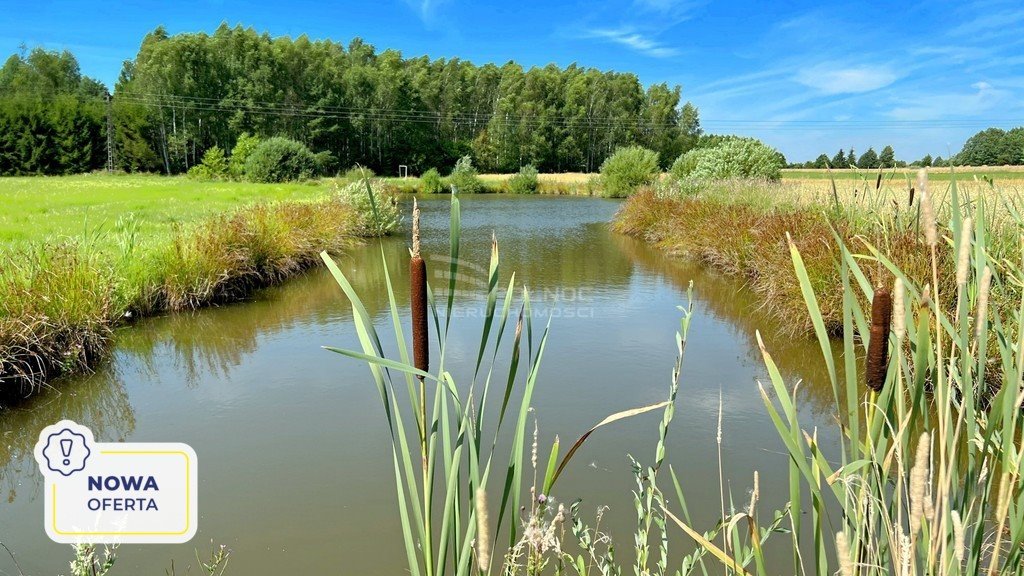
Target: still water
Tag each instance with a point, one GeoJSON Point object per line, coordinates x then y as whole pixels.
{"type": "Point", "coordinates": [294, 457]}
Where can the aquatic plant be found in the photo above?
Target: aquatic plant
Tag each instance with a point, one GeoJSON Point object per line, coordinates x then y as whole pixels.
{"type": "Point", "coordinates": [457, 430]}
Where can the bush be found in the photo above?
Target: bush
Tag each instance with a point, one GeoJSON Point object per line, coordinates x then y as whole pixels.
{"type": "Point", "coordinates": [464, 177]}
{"type": "Point", "coordinates": [356, 174]}
{"type": "Point", "coordinates": [684, 165]}
{"type": "Point", "coordinates": [627, 169]}
{"type": "Point", "coordinates": [731, 158]}
{"type": "Point", "coordinates": [280, 160]}
{"type": "Point", "coordinates": [379, 218]}
{"type": "Point", "coordinates": [431, 183]}
{"type": "Point", "coordinates": [240, 154]}
{"type": "Point", "coordinates": [213, 167]}
{"type": "Point", "coordinates": [524, 182]}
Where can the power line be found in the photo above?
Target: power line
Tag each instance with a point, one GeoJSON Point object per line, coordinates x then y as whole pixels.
{"type": "Point", "coordinates": [420, 116]}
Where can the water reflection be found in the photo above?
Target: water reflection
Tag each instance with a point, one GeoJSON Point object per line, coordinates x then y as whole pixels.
{"type": "Point", "coordinates": [295, 468]}
{"type": "Point", "coordinates": [99, 401]}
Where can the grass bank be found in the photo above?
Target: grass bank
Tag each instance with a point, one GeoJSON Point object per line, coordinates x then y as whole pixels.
{"type": "Point", "coordinates": [61, 294]}
{"type": "Point", "coordinates": [741, 228]}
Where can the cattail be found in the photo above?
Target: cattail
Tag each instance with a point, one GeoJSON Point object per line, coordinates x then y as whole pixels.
{"type": "Point", "coordinates": [878, 347]}
{"type": "Point", "coordinates": [843, 554]}
{"type": "Point", "coordinates": [418, 297]}
{"type": "Point", "coordinates": [963, 259]}
{"type": "Point", "coordinates": [982, 320]}
{"type": "Point", "coordinates": [899, 312]}
{"type": "Point", "coordinates": [483, 541]}
{"type": "Point", "coordinates": [931, 235]}
{"type": "Point", "coordinates": [910, 197]}
{"type": "Point", "coordinates": [917, 483]}
{"type": "Point", "coordinates": [958, 537]}
{"type": "Point", "coordinates": [878, 181]}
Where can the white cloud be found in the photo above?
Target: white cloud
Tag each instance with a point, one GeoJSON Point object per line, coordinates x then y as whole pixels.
{"type": "Point", "coordinates": [852, 80]}
{"type": "Point", "coordinates": [634, 41]}
{"type": "Point", "coordinates": [426, 8]}
{"type": "Point", "coordinates": [936, 106]}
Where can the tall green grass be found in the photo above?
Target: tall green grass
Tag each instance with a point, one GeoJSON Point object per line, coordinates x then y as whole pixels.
{"type": "Point", "coordinates": [59, 302]}
{"type": "Point", "coordinates": [925, 477]}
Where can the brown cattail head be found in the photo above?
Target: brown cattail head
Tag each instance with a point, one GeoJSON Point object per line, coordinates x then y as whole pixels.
{"type": "Point", "coordinates": [418, 298]}
{"type": "Point", "coordinates": [910, 197]}
{"type": "Point", "coordinates": [878, 347]}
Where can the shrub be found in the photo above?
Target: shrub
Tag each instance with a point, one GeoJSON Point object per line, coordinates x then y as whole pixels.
{"type": "Point", "coordinates": [376, 218]}
{"type": "Point", "coordinates": [731, 158]}
{"type": "Point", "coordinates": [240, 154]}
{"type": "Point", "coordinates": [684, 165]}
{"type": "Point", "coordinates": [280, 160]}
{"type": "Point", "coordinates": [431, 183]}
{"type": "Point", "coordinates": [355, 174]}
{"type": "Point", "coordinates": [627, 169]}
{"type": "Point", "coordinates": [464, 177]}
{"type": "Point", "coordinates": [213, 167]}
{"type": "Point", "coordinates": [524, 182]}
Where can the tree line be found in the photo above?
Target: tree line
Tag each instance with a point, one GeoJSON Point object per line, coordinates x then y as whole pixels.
{"type": "Point", "coordinates": [989, 147]}
{"type": "Point", "coordinates": [183, 94]}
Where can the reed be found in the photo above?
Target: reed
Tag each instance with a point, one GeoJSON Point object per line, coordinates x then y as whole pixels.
{"type": "Point", "coordinates": [60, 302]}
{"type": "Point", "coordinates": [447, 526]}
{"type": "Point", "coordinates": [926, 477]}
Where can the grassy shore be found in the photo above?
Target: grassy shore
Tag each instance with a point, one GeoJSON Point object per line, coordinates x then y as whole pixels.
{"type": "Point", "coordinates": [742, 227]}
{"type": "Point", "coordinates": [99, 250]}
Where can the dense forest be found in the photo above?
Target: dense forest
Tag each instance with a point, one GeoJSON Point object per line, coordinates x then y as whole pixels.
{"type": "Point", "coordinates": [52, 119]}
{"type": "Point", "coordinates": [185, 93]}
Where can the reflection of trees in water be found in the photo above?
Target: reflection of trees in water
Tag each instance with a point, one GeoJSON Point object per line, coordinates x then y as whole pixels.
{"type": "Point", "coordinates": [98, 401]}
{"type": "Point", "coordinates": [727, 298]}
{"type": "Point", "coordinates": [214, 341]}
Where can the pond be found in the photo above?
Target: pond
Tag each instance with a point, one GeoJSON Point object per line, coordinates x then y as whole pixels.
{"type": "Point", "coordinates": [294, 456]}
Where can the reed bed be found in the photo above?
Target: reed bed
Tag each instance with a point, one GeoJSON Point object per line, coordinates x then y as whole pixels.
{"type": "Point", "coordinates": [60, 302]}
{"type": "Point", "coordinates": [741, 227]}
{"type": "Point", "coordinates": [928, 395]}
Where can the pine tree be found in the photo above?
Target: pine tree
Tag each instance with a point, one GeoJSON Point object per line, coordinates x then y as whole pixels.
{"type": "Point", "coordinates": [839, 160]}
{"type": "Point", "coordinates": [887, 159]}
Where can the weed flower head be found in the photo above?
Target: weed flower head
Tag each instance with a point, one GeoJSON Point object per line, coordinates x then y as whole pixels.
{"type": "Point", "coordinates": [963, 260]}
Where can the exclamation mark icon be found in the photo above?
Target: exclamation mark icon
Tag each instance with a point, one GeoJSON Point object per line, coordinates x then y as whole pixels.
{"type": "Point", "coordinates": [65, 448]}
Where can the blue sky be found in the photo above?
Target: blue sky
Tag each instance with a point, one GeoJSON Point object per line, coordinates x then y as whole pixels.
{"type": "Point", "coordinates": [806, 77]}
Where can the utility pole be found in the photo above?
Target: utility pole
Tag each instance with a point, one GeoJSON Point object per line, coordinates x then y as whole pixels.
{"type": "Point", "coordinates": [110, 136]}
